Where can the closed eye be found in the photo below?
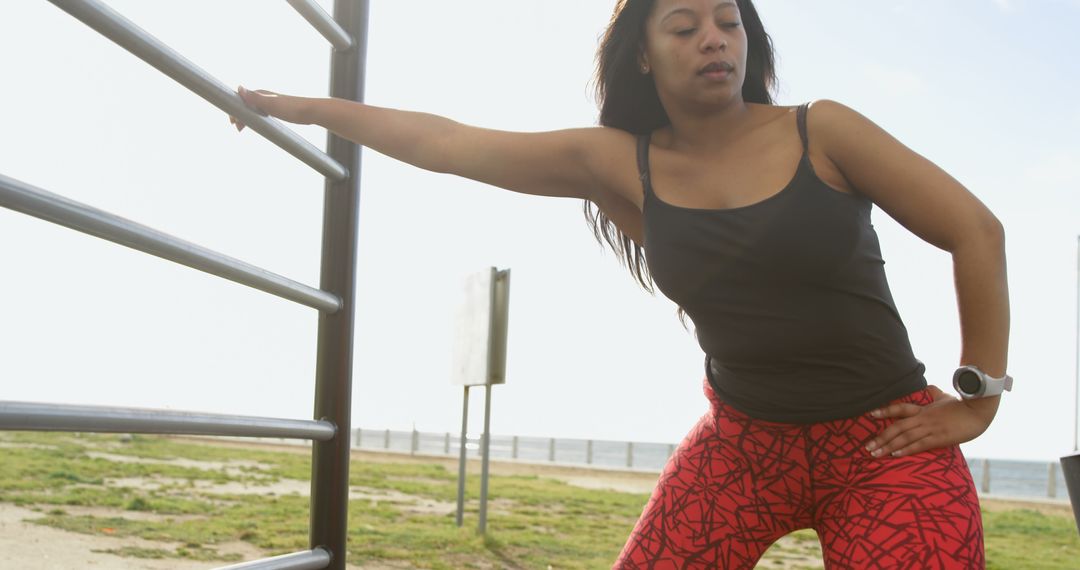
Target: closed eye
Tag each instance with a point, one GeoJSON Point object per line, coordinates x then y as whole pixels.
{"type": "Point", "coordinates": [686, 32]}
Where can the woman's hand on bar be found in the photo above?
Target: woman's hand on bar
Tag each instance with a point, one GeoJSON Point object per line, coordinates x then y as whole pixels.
{"type": "Point", "coordinates": [267, 103]}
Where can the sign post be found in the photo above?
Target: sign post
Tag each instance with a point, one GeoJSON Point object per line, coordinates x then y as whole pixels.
{"type": "Point", "coordinates": [480, 360]}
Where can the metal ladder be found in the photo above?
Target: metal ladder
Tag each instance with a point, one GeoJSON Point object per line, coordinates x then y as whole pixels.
{"type": "Point", "coordinates": [329, 431]}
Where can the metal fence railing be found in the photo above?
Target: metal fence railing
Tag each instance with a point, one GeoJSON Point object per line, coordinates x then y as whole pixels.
{"type": "Point", "coordinates": [998, 477]}
{"type": "Point", "coordinates": [638, 456]}
{"type": "Point", "coordinates": [330, 429]}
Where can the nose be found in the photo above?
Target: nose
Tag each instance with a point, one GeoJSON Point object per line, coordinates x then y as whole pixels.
{"type": "Point", "coordinates": [713, 39]}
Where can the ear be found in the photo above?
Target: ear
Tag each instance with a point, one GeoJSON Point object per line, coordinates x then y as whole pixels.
{"type": "Point", "coordinates": [643, 62]}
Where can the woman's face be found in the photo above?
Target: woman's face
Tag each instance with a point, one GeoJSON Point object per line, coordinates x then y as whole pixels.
{"type": "Point", "coordinates": [695, 51]}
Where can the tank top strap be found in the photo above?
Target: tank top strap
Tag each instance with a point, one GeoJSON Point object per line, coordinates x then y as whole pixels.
{"type": "Point", "coordinates": [643, 161]}
{"type": "Point", "coordinates": [800, 117]}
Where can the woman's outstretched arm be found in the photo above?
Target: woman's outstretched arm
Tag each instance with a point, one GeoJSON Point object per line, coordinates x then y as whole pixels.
{"type": "Point", "coordinates": [573, 163]}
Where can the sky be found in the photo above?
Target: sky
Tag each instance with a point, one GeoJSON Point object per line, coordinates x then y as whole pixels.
{"type": "Point", "coordinates": [985, 89]}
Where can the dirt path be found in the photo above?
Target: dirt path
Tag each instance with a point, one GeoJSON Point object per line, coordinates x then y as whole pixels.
{"type": "Point", "coordinates": [28, 546]}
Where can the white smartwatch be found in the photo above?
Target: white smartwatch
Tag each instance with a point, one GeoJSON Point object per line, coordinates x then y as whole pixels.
{"type": "Point", "coordinates": [973, 383]}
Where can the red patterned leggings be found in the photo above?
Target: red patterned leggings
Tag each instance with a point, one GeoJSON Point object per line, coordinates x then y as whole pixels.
{"type": "Point", "coordinates": [737, 484]}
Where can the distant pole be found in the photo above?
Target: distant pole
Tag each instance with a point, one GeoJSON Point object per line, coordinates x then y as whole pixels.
{"type": "Point", "coordinates": [485, 452]}
{"type": "Point", "coordinates": [1076, 399]}
{"type": "Point", "coordinates": [462, 458]}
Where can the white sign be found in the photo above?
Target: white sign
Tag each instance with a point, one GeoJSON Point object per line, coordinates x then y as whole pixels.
{"type": "Point", "coordinates": [480, 330]}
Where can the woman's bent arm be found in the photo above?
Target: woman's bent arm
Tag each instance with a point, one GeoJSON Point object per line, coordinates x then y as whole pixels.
{"type": "Point", "coordinates": [937, 208]}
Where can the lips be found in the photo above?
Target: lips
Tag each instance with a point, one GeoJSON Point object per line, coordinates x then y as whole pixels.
{"type": "Point", "coordinates": [714, 67]}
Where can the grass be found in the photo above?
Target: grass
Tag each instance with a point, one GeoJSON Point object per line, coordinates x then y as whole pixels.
{"type": "Point", "coordinates": [1025, 538]}
{"type": "Point", "coordinates": [171, 491]}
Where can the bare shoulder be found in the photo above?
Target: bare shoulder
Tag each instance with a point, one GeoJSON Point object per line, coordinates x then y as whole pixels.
{"type": "Point", "coordinates": [831, 120]}
{"type": "Point", "coordinates": [612, 157]}
{"type": "Point", "coordinates": [607, 138]}
{"type": "Point", "coordinates": [834, 129]}
{"type": "Point", "coordinates": [830, 107]}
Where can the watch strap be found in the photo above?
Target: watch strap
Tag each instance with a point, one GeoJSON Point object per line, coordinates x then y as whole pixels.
{"type": "Point", "coordinates": [1007, 382]}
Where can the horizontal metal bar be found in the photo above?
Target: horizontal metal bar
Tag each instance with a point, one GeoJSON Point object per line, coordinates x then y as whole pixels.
{"type": "Point", "coordinates": [324, 23]}
{"type": "Point", "coordinates": [310, 560]}
{"type": "Point", "coordinates": [34, 416]}
{"type": "Point", "coordinates": [129, 36]}
{"type": "Point", "coordinates": [22, 197]}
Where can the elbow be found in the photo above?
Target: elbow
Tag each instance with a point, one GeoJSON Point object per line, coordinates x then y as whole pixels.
{"type": "Point", "coordinates": [994, 229]}
{"type": "Point", "coordinates": [988, 233]}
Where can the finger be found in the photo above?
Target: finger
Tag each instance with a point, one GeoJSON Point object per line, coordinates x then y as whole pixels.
{"type": "Point", "coordinates": [248, 98]}
{"type": "Point", "coordinates": [888, 434]}
{"type": "Point", "coordinates": [915, 446]}
{"type": "Point", "coordinates": [901, 410]}
{"type": "Point", "coordinates": [901, 440]}
{"type": "Point", "coordinates": [257, 100]}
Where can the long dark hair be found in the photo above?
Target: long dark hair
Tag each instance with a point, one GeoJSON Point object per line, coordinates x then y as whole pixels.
{"type": "Point", "coordinates": [628, 100]}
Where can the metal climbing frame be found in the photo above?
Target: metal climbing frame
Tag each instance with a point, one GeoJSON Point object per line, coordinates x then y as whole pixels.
{"type": "Point", "coordinates": [340, 164]}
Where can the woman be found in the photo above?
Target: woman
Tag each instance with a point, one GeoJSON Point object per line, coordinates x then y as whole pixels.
{"type": "Point", "coordinates": [820, 414]}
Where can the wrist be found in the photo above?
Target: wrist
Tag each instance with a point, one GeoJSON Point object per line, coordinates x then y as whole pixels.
{"type": "Point", "coordinates": [972, 382]}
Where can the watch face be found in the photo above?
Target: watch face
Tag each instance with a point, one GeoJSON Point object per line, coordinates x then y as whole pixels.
{"type": "Point", "coordinates": [969, 382]}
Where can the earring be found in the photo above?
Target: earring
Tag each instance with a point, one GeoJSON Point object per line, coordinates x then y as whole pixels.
{"type": "Point", "coordinates": [645, 68]}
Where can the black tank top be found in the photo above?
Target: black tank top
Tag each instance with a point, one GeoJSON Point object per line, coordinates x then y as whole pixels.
{"type": "Point", "coordinates": [788, 296]}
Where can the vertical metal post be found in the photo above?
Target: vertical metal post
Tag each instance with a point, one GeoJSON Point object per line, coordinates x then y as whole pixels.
{"type": "Point", "coordinates": [588, 452]}
{"type": "Point", "coordinates": [486, 451]}
{"type": "Point", "coordinates": [629, 454]}
{"type": "Point", "coordinates": [514, 448]}
{"type": "Point", "coordinates": [462, 459]}
{"type": "Point", "coordinates": [334, 361]}
{"type": "Point", "coordinates": [1076, 394]}
{"type": "Point", "coordinates": [446, 444]}
{"type": "Point", "coordinates": [386, 439]}
{"type": "Point", "coordinates": [1051, 485]}
{"type": "Point", "coordinates": [414, 446]}
{"type": "Point", "coordinates": [1070, 464]}
{"type": "Point", "coordinates": [986, 476]}
{"type": "Point", "coordinates": [551, 450]}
